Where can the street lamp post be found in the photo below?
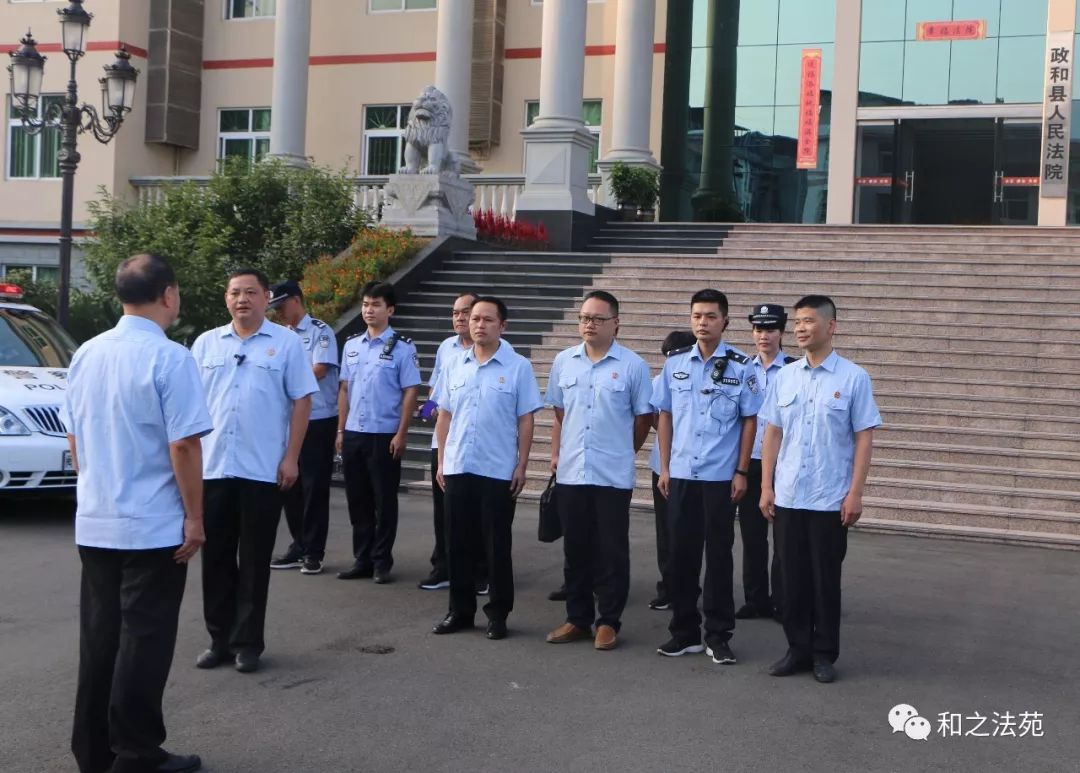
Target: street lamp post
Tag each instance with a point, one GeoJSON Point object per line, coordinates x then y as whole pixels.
{"type": "Point", "coordinates": [117, 97]}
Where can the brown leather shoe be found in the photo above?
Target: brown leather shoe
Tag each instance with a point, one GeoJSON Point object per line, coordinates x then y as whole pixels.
{"type": "Point", "coordinates": [568, 632]}
{"type": "Point", "coordinates": [606, 638]}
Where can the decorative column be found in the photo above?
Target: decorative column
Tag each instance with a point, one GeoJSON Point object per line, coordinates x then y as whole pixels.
{"type": "Point", "coordinates": [843, 126]}
{"type": "Point", "coordinates": [715, 197]}
{"type": "Point", "coordinates": [676, 186]}
{"type": "Point", "coordinates": [632, 109]}
{"type": "Point", "coordinates": [292, 47]}
{"type": "Point", "coordinates": [453, 73]}
{"type": "Point", "coordinates": [557, 145]}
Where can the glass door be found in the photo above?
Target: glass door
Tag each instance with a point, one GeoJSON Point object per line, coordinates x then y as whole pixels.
{"type": "Point", "coordinates": [875, 165]}
{"type": "Point", "coordinates": [1016, 172]}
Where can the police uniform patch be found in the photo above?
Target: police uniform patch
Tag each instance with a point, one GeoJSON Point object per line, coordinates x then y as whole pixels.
{"type": "Point", "coordinates": [307, 341]}
{"type": "Point", "coordinates": [680, 375]}
{"type": "Point", "coordinates": [324, 341]}
{"type": "Point", "coordinates": [730, 381]}
{"type": "Point", "coordinates": [836, 395]}
{"type": "Point", "coordinates": [752, 382]}
{"type": "Point", "coordinates": [352, 355]}
{"type": "Point", "coordinates": [271, 352]}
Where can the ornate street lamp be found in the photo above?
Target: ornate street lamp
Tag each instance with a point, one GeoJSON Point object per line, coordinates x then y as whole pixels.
{"type": "Point", "coordinates": [117, 97]}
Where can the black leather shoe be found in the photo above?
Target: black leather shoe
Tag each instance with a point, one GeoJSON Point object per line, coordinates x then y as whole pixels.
{"type": "Point", "coordinates": [496, 629]}
{"type": "Point", "coordinates": [452, 624]}
{"type": "Point", "coordinates": [383, 577]}
{"type": "Point", "coordinates": [211, 659]}
{"type": "Point", "coordinates": [180, 763]}
{"type": "Point", "coordinates": [356, 572]}
{"type": "Point", "coordinates": [824, 672]}
{"type": "Point", "coordinates": [247, 662]}
{"type": "Point", "coordinates": [789, 664]}
{"type": "Point", "coordinates": [750, 612]}
{"type": "Point", "coordinates": [558, 595]}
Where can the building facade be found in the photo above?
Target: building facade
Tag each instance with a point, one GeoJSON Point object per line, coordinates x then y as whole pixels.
{"type": "Point", "coordinates": [805, 111]}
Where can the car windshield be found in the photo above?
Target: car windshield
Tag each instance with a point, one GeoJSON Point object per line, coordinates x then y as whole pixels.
{"type": "Point", "coordinates": [31, 339]}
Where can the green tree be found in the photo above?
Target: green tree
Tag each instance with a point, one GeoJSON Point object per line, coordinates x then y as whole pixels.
{"type": "Point", "coordinates": [266, 215]}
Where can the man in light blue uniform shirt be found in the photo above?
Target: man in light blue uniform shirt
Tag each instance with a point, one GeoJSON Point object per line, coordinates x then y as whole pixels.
{"type": "Point", "coordinates": [258, 382]}
{"type": "Point", "coordinates": [485, 428]}
{"type": "Point", "coordinates": [600, 391]}
{"type": "Point", "coordinates": [677, 339]}
{"type": "Point", "coordinates": [708, 398]}
{"type": "Point", "coordinates": [135, 414]}
{"type": "Point", "coordinates": [815, 458]}
{"type": "Point", "coordinates": [307, 504]}
{"type": "Point", "coordinates": [380, 376]}
{"type": "Point", "coordinates": [448, 351]}
{"type": "Point", "coordinates": [768, 320]}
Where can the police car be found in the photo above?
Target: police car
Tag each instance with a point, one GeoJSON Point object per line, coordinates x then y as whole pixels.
{"type": "Point", "coordinates": [34, 356]}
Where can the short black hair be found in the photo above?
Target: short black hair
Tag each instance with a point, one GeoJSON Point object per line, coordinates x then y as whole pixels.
{"type": "Point", "coordinates": [677, 339]}
{"type": "Point", "coordinates": [143, 279]}
{"type": "Point", "coordinates": [500, 307]}
{"type": "Point", "coordinates": [709, 295]}
{"type": "Point", "coordinates": [606, 297]}
{"type": "Point", "coordinates": [820, 303]}
{"type": "Point", "coordinates": [469, 294]}
{"type": "Point", "coordinates": [376, 288]}
{"type": "Point", "coordinates": [264, 282]}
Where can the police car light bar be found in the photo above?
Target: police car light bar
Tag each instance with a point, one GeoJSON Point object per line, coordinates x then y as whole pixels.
{"type": "Point", "coordinates": [10, 291]}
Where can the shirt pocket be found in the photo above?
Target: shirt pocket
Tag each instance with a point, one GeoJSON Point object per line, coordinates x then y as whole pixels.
{"type": "Point", "coordinates": [786, 405]}
{"type": "Point", "coordinates": [615, 393]}
{"type": "Point", "coordinates": [838, 411]}
{"type": "Point", "coordinates": [209, 362]}
{"type": "Point", "coordinates": [725, 405]}
{"type": "Point", "coordinates": [682, 394]}
{"type": "Point", "coordinates": [268, 376]}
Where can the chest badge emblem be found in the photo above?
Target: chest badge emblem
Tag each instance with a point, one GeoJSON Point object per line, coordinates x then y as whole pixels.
{"type": "Point", "coordinates": [836, 395]}
{"type": "Point", "coordinates": [270, 352]}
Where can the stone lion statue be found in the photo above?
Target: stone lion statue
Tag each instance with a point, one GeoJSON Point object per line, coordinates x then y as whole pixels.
{"type": "Point", "coordinates": [426, 134]}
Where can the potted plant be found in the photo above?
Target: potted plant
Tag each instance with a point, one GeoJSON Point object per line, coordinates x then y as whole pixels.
{"type": "Point", "coordinates": [647, 188]}
{"type": "Point", "coordinates": [623, 189]}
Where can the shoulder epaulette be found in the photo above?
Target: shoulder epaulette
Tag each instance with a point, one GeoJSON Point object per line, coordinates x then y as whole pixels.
{"type": "Point", "coordinates": [399, 337]}
{"type": "Point", "coordinates": [734, 356]}
{"type": "Point", "coordinates": [354, 335]}
{"type": "Point", "coordinates": [318, 322]}
{"type": "Point", "coordinates": [788, 359]}
{"type": "Point", "coordinates": [681, 350]}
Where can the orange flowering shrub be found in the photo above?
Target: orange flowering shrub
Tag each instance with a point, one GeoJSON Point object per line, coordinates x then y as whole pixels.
{"type": "Point", "coordinates": [331, 283]}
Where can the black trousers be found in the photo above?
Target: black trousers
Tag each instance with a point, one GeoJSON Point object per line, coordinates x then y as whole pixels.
{"type": "Point", "coordinates": [596, 541]}
{"type": "Point", "coordinates": [811, 544]}
{"type": "Point", "coordinates": [700, 515]}
{"type": "Point", "coordinates": [438, 555]}
{"type": "Point", "coordinates": [479, 511]}
{"type": "Point", "coordinates": [128, 611]}
{"type": "Point", "coordinates": [241, 518]}
{"type": "Point", "coordinates": [754, 528]}
{"type": "Point", "coordinates": [372, 477]}
{"type": "Point", "coordinates": [307, 504]}
{"type": "Point", "coordinates": [659, 502]}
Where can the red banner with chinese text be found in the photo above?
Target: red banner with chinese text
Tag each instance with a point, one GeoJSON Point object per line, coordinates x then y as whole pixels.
{"type": "Point", "coordinates": [806, 156]}
{"type": "Point", "coordinates": [970, 29]}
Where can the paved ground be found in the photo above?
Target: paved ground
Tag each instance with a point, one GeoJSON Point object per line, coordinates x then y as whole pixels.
{"type": "Point", "coordinates": [353, 681]}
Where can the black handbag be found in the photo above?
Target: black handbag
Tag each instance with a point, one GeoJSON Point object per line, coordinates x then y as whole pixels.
{"type": "Point", "coordinates": [550, 527]}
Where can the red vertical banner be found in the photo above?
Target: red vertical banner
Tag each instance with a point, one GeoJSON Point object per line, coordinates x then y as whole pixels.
{"type": "Point", "coordinates": [809, 105]}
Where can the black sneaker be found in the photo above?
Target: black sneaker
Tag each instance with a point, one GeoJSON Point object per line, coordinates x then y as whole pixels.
{"type": "Point", "coordinates": [311, 566]}
{"type": "Point", "coordinates": [673, 648]}
{"type": "Point", "coordinates": [721, 653]}
{"type": "Point", "coordinates": [660, 603]}
{"type": "Point", "coordinates": [288, 561]}
{"type": "Point", "coordinates": [434, 581]}
{"type": "Point", "coordinates": [482, 589]}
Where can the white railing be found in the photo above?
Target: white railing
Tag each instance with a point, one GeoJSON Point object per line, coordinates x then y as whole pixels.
{"type": "Point", "coordinates": [494, 193]}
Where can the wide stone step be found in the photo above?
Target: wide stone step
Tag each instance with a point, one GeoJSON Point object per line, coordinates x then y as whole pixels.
{"type": "Point", "coordinates": [1024, 407]}
{"type": "Point", "coordinates": [917, 242]}
{"type": "Point", "coordinates": [914, 264]}
{"type": "Point", "coordinates": [972, 515]}
{"type": "Point", "coordinates": [974, 474]}
{"type": "Point", "coordinates": [885, 252]}
{"type": "Point", "coordinates": [1001, 536]}
{"type": "Point", "coordinates": [1061, 506]}
{"type": "Point", "coordinates": [983, 456]}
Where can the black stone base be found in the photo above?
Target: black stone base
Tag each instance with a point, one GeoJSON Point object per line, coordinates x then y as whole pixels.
{"type": "Point", "coordinates": [568, 231]}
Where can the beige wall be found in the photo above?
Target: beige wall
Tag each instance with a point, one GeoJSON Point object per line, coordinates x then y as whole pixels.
{"type": "Point", "coordinates": [337, 92]}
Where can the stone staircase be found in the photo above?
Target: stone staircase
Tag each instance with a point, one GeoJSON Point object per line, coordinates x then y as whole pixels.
{"type": "Point", "coordinates": [970, 335]}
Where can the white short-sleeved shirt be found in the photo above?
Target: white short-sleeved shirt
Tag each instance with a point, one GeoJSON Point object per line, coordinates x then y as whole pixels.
{"type": "Point", "coordinates": [819, 410]}
{"type": "Point", "coordinates": [131, 392]}
{"type": "Point", "coordinates": [251, 384]}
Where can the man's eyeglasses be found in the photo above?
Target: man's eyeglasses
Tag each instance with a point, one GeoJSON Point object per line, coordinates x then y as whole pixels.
{"type": "Point", "coordinates": [586, 319]}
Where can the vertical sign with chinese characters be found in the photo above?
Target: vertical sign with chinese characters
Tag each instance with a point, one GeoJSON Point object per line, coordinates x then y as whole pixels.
{"type": "Point", "coordinates": [806, 156]}
{"type": "Point", "coordinates": [1057, 115]}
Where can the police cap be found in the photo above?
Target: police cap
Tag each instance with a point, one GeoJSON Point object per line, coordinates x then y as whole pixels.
{"type": "Point", "coordinates": [283, 290]}
{"type": "Point", "coordinates": [768, 315]}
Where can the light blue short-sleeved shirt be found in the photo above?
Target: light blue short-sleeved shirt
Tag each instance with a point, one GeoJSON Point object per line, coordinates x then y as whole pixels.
{"type": "Point", "coordinates": [778, 362]}
{"type": "Point", "coordinates": [485, 401]}
{"type": "Point", "coordinates": [599, 402]}
{"type": "Point", "coordinates": [448, 350]}
{"type": "Point", "coordinates": [654, 454]}
{"type": "Point", "coordinates": [321, 345]}
{"type": "Point", "coordinates": [131, 392]}
{"type": "Point", "coordinates": [707, 414]}
{"type": "Point", "coordinates": [250, 385]}
{"type": "Point", "coordinates": [819, 410]}
{"type": "Point", "coordinates": [376, 379]}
